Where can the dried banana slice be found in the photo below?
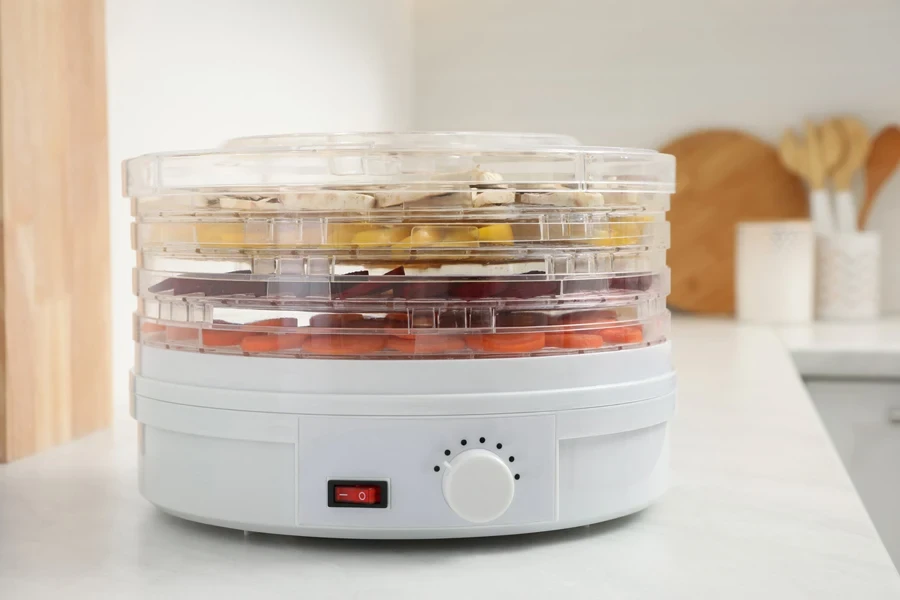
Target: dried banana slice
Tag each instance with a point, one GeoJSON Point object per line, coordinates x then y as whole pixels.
{"type": "Point", "coordinates": [351, 201]}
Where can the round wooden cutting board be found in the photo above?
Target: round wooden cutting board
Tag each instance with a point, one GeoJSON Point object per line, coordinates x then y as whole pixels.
{"type": "Point", "coordinates": [724, 177]}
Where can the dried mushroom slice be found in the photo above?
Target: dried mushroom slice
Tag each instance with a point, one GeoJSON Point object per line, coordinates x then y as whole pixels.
{"type": "Point", "coordinates": [477, 177]}
{"type": "Point", "coordinates": [493, 197]}
{"type": "Point", "coordinates": [538, 187]}
{"type": "Point", "coordinates": [195, 200]}
{"type": "Point", "coordinates": [449, 200]}
{"type": "Point", "coordinates": [398, 197]}
{"type": "Point", "coordinates": [487, 179]}
{"type": "Point", "coordinates": [243, 202]}
{"type": "Point", "coordinates": [586, 199]}
{"type": "Point", "coordinates": [351, 201]}
{"type": "Point", "coordinates": [423, 199]}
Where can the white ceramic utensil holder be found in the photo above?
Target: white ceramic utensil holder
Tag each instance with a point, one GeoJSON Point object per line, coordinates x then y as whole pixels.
{"type": "Point", "coordinates": [775, 271]}
{"type": "Point", "coordinates": [848, 276]}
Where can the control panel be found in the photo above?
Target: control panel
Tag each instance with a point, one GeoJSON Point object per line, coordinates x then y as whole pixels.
{"type": "Point", "coordinates": [427, 472]}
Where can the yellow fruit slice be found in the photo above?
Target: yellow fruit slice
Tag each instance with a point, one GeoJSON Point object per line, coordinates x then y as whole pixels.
{"type": "Point", "coordinates": [622, 231]}
{"type": "Point", "coordinates": [341, 234]}
{"type": "Point", "coordinates": [461, 236]}
{"type": "Point", "coordinates": [401, 250]}
{"type": "Point", "coordinates": [631, 230]}
{"type": "Point", "coordinates": [380, 237]}
{"type": "Point", "coordinates": [500, 233]}
{"type": "Point", "coordinates": [220, 234]}
{"type": "Point", "coordinates": [602, 238]}
{"type": "Point", "coordinates": [425, 236]}
{"type": "Point", "coordinates": [173, 233]}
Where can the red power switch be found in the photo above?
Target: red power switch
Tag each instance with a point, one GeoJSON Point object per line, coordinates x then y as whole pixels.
{"type": "Point", "coordinates": [357, 494]}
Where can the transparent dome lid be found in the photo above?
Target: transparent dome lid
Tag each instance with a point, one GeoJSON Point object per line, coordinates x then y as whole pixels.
{"type": "Point", "coordinates": [440, 162]}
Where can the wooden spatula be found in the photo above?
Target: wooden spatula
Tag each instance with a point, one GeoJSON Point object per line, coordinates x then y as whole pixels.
{"type": "Point", "coordinates": [884, 158]}
{"type": "Point", "coordinates": [857, 142]}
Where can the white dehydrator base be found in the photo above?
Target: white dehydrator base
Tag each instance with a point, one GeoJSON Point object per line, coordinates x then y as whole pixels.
{"type": "Point", "coordinates": [252, 443]}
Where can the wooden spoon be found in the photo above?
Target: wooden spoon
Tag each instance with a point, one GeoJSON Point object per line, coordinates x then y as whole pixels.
{"type": "Point", "coordinates": [884, 158]}
{"type": "Point", "coordinates": [804, 159]}
{"type": "Point", "coordinates": [817, 170]}
{"type": "Point", "coordinates": [833, 146]}
{"type": "Point", "coordinates": [857, 142]}
{"type": "Point", "coordinates": [792, 155]}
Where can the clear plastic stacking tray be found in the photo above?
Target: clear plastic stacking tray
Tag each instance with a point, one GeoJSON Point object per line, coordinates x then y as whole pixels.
{"type": "Point", "coordinates": [400, 246]}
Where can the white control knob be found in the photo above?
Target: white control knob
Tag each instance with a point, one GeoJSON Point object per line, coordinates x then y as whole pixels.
{"type": "Point", "coordinates": [478, 486]}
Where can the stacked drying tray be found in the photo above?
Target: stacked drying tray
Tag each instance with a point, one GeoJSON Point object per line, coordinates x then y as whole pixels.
{"type": "Point", "coordinates": [401, 246]}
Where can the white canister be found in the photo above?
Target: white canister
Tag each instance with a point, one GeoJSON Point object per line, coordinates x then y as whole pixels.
{"type": "Point", "coordinates": [849, 276]}
{"type": "Point", "coordinates": [775, 271]}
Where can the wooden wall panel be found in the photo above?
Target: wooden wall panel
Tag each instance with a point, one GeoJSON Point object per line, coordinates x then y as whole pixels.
{"type": "Point", "coordinates": [55, 355]}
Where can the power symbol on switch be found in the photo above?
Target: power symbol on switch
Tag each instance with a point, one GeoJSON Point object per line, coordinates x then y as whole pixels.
{"type": "Point", "coordinates": [357, 494]}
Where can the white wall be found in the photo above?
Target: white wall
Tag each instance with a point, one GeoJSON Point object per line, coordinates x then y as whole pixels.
{"type": "Point", "coordinates": [189, 74]}
{"type": "Point", "coordinates": [638, 73]}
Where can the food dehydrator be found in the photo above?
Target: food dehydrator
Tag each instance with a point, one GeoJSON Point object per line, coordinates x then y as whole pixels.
{"type": "Point", "coordinates": [402, 335]}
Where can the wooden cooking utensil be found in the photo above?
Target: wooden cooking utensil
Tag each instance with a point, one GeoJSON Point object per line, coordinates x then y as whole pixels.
{"type": "Point", "coordinates": [816, 169]}
{"type": "Point", "coordinates": [725, 177]}
{"type": "Point", "coordinates": [833, 148]}
{"type": "Point", "coordinates": [803, 158]}
{"type": "Point", "coordinates": [884, 158]}
{"type": "Point", "coordinates": [857, 142]}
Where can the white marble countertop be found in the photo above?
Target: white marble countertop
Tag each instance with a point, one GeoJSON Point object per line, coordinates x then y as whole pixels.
{"type": "Point", "coordinates": [760, 507]}
{"type": "Point", "coordinates": [865, 349]}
